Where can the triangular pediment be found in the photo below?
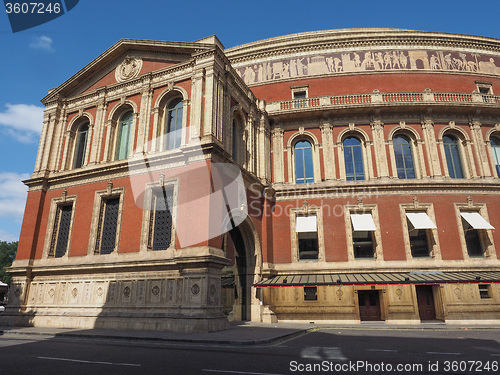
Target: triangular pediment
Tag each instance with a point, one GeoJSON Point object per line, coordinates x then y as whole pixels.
{"type": "Point", "coordinates": [128, 59]}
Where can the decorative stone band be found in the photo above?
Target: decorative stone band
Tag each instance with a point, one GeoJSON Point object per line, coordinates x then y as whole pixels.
{"type": "Point", "coordinates": [374, 60]}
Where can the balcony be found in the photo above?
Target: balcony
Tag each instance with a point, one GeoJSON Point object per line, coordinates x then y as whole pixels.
{"type": "Point", "coordinates": [379, 99]}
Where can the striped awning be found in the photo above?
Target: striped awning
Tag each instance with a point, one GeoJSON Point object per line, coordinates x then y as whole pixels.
{"type": "Point", "coordinates": [374, 278]}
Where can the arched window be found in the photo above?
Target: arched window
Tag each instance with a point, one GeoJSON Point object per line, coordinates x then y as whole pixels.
{"type": "Point", "coordinates": [353, 158]}
{"type": "Point", "coordinates": [81, 146]}
{"type": "Point", "coordinates": [238, 142]}
{"type": "Point", "coordinates": [123, 144]}
{"type": "Point", "coordinates": [495, 147]}
{"type": "Point", "coordinates": [453, 159]}
{"type": "Point", "coordinates": [404, 157]}
{"type": "Point", "coordinates": [304, 168]}
{"type": "Point", "coordinates": [173, 125]}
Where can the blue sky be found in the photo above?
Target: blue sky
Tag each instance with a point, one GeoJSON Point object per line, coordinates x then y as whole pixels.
{"type": "Point", "coordinates": [35, 60]}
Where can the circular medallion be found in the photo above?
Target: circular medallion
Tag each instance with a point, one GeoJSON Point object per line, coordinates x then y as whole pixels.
{"type": "Point", "coordinates": [155, 291]}
{"type": "Point", "coordinates": [100, 292]}
{"type": "Point", "coordinates": [17, 293]}
{"type": "Point", "coordinates": [74, 292]}
{"type": "Point", "coordinates": [52, 292]}
{"type": "Point", "coordinates": [128, 69]}
{"type": "Point", "coordinates": [213, 289]}
{"type": "Point", "coordinates": [126, 291]}
{"type": "Point", "coordinates": [195, 289]}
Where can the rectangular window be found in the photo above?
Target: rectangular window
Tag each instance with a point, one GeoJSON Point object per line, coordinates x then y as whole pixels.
{"type": "Point", "coordinates": [473, 223]}
{"type": "Point", "coordinates": [307, 236]}
{"type": "Point", "coordinates": [484, 291]}
{"type": "Point", "coordinates": [160, 228]}
{"type": "Point", "coordinates": [108, 220]}
{"type": "Point", "coordinates": [310, 293]}
{"type": "Point", "coordinates": [60, 233]}
{"type": "Point", "coordinates": [363, 227]}
{"type": "Point", "coordinates": [419, 224]}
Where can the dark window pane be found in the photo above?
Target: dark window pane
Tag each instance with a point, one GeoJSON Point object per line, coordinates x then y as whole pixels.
{"type": "Point", "coordinates": [495, 147]}
{"type": "Point", "coordinates": [108, 240]}
{"type": "Point", "coordinates": [308, 245]}
{"type": "Point", "coordinates": [162, 231]}
{"type": "Point", "coordinates": [173, 129]}
{"type": "Point", "coordinates": [484, 291]}
{"type": "Point", "coordinates": [304, 168]}
{"type": "Point", "coordinates": [453, 159]}
{"type": "Point", "coordinates": [125, 125]}
{"type": "Point", "coordinates": [310, 293]}
{"type": "Point", "coordinates": [472, 240]}
{"type": "Point", "coordinates": [353, 159]}
{"type": "Point", "coordinates": [418, 242]}
{"type": "Point", "coordinates": [404, 157]}
{"type": "Point", "coordinates": [63, 230]}
{"type": "Point", "coordinates": [362, 243]}
{"type": "Point", "coordinates": [81, 146]}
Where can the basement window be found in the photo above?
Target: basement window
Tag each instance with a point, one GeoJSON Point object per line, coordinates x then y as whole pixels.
{"type": "Point", "coordinates": [310, 293]}
{"type": "Point", "coordinates": [484, 291]}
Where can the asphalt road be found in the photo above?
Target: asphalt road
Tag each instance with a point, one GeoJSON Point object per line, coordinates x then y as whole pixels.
{"type": "Point", "coordinates": [320, 352]}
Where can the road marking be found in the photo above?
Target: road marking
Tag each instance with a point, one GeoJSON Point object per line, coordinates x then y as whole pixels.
{"type": "Point", "coordinates": [495, 355]}
{"type": "Point", "coordinates": [315, 352]}
{"type": "Point", "coordinates": [90, 362]}
{"type": "Point", "coordinates": [443, 353]}
{"type": "Point", "coordinates": [238, 372]}
{"type": "Point", "coordinates": [383, 350]}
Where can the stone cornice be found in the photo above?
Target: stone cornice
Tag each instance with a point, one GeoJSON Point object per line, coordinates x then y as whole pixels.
{"type": "Point", "coordinates": [356, 38]}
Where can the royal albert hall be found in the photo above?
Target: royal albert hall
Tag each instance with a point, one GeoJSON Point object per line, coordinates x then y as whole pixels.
{"type": "Point", "coordinates": [331, 177]}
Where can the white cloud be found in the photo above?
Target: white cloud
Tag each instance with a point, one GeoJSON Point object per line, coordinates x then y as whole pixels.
{"type": "Point", "coordinates": [22, 121]}
{"type": "Point", "coordinates": [42, 42]}
{"type": "Point", "coordinates": [12, 194]}
{"type": "Point", "coordinates": [8, 237]}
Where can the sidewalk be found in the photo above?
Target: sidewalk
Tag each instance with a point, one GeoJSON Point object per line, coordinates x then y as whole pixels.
{"type": "Point", "coordinates": [239, 333]}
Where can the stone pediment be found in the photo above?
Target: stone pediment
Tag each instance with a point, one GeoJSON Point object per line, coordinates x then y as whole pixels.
{"type": "Point", "coordinates": [127, 60]}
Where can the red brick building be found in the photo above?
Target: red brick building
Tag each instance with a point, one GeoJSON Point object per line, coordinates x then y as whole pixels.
{"type": "Point", "coordinates": [333, 176]}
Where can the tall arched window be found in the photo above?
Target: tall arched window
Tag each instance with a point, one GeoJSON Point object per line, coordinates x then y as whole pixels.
{"type": "Point", "coordinates": [353, 158]}
{"type": "Point", "coordinates": [173, 125]}
{"type": "Point", "coordinates": [81, 146]}
{"type": "Point", "coordinates": [304, 168]}
{"type": "Point", "coordinates": [123, 144]}
{"type": "Point", "coordinates": [453, 158]}
{"type": "Point", "coordinates": [238, 142]}
{"type": "Point", "coordinates": [404, 157]}
{"type": "Point", "coordinates": [495, 147]}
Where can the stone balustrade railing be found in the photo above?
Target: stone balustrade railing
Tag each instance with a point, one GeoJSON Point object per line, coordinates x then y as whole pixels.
{"type": "Point", "coordinates": [380, 98]}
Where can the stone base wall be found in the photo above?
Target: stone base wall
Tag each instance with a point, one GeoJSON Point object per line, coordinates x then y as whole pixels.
{"type": "Point", "coordinates": [187, 300]}
{"type": "Point", "coordinates": [454, 304]}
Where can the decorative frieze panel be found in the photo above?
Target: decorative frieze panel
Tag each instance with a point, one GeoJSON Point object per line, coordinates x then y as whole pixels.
{"type": "Point", "coordinates": [375, 60]}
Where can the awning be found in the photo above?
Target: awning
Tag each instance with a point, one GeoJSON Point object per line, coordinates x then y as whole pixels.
{"type": "Point", "coordinates": [420, 220]}
{"type": "Point", "coordinates": [306, 224]}
{"type": "Point", "coordinates": [383, 278]}
{"type": "Point", "coordinates": [363, 222]}
{"type": "Point", "coordinates": [476, 221]}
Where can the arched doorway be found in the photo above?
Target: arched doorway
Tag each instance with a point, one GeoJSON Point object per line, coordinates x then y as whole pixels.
{"type": "Point", "coordinates": [239, 297]}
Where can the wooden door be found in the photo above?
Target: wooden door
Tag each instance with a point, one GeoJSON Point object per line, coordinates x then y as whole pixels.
{"type": "Point", "coordinates": [425, 299]}
{"type": "Point", "coordinates": [369, 305]}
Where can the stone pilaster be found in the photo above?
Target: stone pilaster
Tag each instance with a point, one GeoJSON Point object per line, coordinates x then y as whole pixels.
{"type": "Point", "coordinates": [379, 148]}
{"type": "Point", "coordinates": [278, 155]}
{"type": "Point", "coordinates": [431, 148]}
{"type": "Point", "coordinates": [328, 153]}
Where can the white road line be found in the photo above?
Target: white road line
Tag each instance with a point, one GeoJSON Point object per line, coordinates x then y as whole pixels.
{"type": "Point", "coordinates": [495, 355]}
{"type": "Point", "coordinates": [443, 353]}
{"type": "Point", "coordinates": [238, 372]}
{"type": "Point", "coordinates": [383, 350]}
{"type": "Point", "coordinates": [91, 362]}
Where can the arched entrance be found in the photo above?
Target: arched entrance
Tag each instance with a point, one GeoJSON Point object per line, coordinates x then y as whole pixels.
{"type": "Point", "coordinates": [242, 248]}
